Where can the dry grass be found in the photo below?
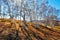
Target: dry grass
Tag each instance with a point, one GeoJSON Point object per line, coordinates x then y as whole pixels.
{"type": "Point", "coordinates": [8, 26]}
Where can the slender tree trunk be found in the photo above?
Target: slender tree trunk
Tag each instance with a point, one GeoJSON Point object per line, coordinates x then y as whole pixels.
{"type": "Point", "coordinates": [24, 21]}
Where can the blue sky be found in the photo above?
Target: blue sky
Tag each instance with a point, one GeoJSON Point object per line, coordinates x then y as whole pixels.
{"type": "Point", "coordinates": [54, 3]}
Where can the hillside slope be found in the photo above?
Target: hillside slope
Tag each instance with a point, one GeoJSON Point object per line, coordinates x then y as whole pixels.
{"type": "Point", "coordinates": [11, 29]}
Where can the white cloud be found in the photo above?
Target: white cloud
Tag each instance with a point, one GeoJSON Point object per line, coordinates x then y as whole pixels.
{"type": "Point", "coordinates": [6, 16]}
{"type": "Point", "coordinates": [17, 1]}
{"type": "Point", "coordinates": [27, 18]}
{"type": "Point", "coordinates": [18, 18]}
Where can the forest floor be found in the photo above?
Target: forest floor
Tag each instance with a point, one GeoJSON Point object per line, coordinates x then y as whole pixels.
{"type": "Point", "coordinates": [11, 29]}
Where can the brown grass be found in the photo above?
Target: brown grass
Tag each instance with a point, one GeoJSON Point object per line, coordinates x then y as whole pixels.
{"type": "Point", "coordinates": [8, 26]}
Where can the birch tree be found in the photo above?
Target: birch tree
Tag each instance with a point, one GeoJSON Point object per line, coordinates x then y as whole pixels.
{"type": "Point", "coordinates": [0, 6]}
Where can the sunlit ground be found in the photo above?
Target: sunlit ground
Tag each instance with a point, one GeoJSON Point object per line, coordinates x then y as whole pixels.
{"type": "Point", "coordinates": [31, 31]}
